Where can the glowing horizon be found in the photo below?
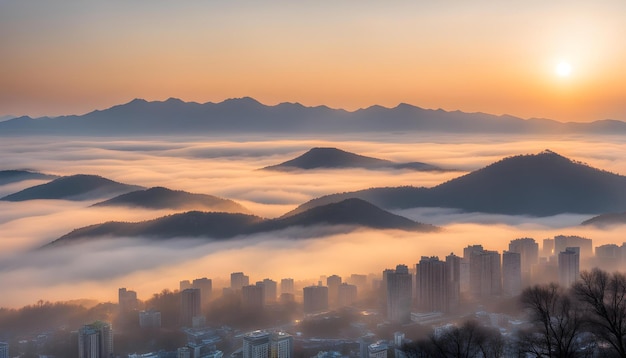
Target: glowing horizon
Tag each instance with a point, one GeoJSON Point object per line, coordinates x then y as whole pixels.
{"type": "Point", "coordinates": [73, 58]}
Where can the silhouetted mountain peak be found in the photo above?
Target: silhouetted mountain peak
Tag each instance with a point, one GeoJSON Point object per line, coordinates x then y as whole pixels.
{"type": "Point", "coordinates": [16, 175]}
{"type": "Point", "coordinates": [74, 187]}
{"type": "Point", "coordinates": [605, 220]}
{"type": "Point", "coordinates": [347, 214]}
{"type": "Point", "coordinates": [329, 157]}
{"type": "Point", "coordinates": [164, 198]}
{"type": "Point", "coordinates": [541, 184]}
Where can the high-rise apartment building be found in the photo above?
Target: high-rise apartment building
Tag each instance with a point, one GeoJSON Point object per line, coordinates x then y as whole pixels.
{"type": "Point", "coordinates": [270, 290]}
{"type": "Point", "coordinates": [149, 319]}
{"type": "Point", "coordinates": [4, 350]}
{"type": "Point", "coordinates": [485, 274]}
{"type": "Point", "coordinates": [95, 340]}
{"type": "Point", "coordinates": [287, 286]}
{"type": "Point", "coordinates": [465, 266]}
{"type": "Point", "coordinates": [256, 345]}
{"type": "Point", "coordinates": [347, 295]}
{"type": "Point", "coordinates": [511, 273]}
{"type": "Point", "coordinates": [238, 280]}
{"type": "Point", "coordinates": [453, 273]}
{"type": "Point", "coordinates": [431, 281]}
{"type": "Point", "coordinates": [377, 350]}
{"type": "Point", "coordinates": [547, 250]}
{"type": "Point", "coordinates": [281, 345]}
{"type": "Point", "coordinates": [399, 284]}
{"type": "Point", "coordinates": [190, 303]}
{"type": "Point", "coordinates": [315, 299]}
{"type": "Point", "coordinates": [333, 282]}
{"type": "Point", "coordinates": [569, 266]}
{"type": "Point", "coordinates": [183, 352]}
{"type": "Point", "coordinates": [184, 284]}
{"type": "Point", "coordinates": [127, 300]}
{"type": "Point", "coordinates": [253, 297]}
{"type": "Point", "coordinates": [528, 249]}
{"type": "Point", "coordinates": [205, 285]}
{"type": "Point", "coordinates": [561, 242]}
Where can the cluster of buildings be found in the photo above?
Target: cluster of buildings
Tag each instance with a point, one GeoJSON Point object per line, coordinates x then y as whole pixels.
{"type": "Point", "coordinates": [405, 294]}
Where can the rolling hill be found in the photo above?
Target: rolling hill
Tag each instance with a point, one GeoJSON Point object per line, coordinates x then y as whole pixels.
{"type": "Point", "coordinates": [74, 187]}
{"type": "Point", "coordinates": [542, 184]}
{"type": "Point", "coordinates": [14, 176]}
{"type": "Point", "coordinates": [163, 198]}
{"type": "Point", "coordinates": [351, 213]}
{"type": "Point", "coordinates": [333, 158]}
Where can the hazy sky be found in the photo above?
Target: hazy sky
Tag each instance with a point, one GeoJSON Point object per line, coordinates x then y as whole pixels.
{"type": "Point", "coordinates": [70, 57]}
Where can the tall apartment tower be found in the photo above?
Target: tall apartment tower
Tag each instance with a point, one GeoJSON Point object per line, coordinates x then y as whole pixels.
{"type": "Point", "coordinates": [205, 285]}
{"type": "Point", "coordinates": [347, 295]}
{"type": "Point", "coordinates": [569, 266]}
{"type": "Point", "coordinates": [4, 350]}
{"type": "Point", "coordinates": [333, 283]}
{"type": "Point", "coordinates": [548, 248]}
{"type": "Point", "coordinates": [453, 272]}
{"type": "Point", "coordinates": [377, 350]}
{"type": "Point", "coordinates": [256, 345]}
{"type": "Point", "coordinates": [190, 302]}
{"type": "Point", "coordinates": [127, 300]}
{"type": "Point", "coordinates": [465, 266]}
{"type": "Point", "coordinates": [95, 340]}
{"type": "Point", "coordinates": [562, 242]}
{"type": "Point", "coordinates": [286, 286]}
{"type": "Point", "coordinates": [315, 299]}
{"type": "Point", "coordinates": [431, 280]}
{"type": "Point", "coordinates": [184, 284]}
{"type": "Point", "coordinates": [399, 294]}
{"type": "Point", "coordinates": [238, 280]}
{"type": "Point", "coordinates": [281, 345]}
{"type": "Point", "coordinates": [511, 273]}
{"type": "Point", "coordinates": [485, 274]}
{"type": "Point", "coordinates": [529, 250]}
{"type": "Point", "coordinates": [253, 297]}
{"type": "Point", "coordinates": [270, 290]}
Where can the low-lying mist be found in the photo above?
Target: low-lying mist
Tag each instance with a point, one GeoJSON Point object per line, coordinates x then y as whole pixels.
{"type": "Point", "coordinates": [230, 169]}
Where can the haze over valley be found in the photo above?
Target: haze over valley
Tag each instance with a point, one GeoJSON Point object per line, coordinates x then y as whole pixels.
{"type": "Point", "coordinates": [229, 169]}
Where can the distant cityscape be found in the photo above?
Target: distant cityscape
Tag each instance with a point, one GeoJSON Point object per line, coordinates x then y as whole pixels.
{"type": "Point", "coordinates": [385, 312]}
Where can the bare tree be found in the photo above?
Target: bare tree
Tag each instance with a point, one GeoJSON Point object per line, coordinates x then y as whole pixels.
{"type": "Point", "coordinates": [469, 340]}
{"type": "Point", "coordinates": [604, 297]}
{"type": "Point", "coordinates": [556, 324]}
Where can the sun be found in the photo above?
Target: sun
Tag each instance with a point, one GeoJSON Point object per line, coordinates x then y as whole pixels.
{"type": "Point", "coordinates": [563, 69]}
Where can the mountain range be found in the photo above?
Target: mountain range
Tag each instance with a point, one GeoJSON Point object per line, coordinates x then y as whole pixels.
{"type": "Point", "coordinates": [164, 198]}
{"type": "Point", "coordinates": [350, 213]}
{"type": "Point", "coordinates": [333, 158]}
{"type": "Point", "coordinates": [542, 184]}
{"type": "Point", "coordinates": [74, 187]}
{"type": "Point", "coordinates": [14, 176]}
{"type": "Point", "coordinates": [246, 115]}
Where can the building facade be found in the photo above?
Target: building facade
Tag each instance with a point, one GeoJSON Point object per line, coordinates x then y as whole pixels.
{"type": "Point", "coordinates": [95, 340]}
{"type": "Point", "coordinates": [399, 284]}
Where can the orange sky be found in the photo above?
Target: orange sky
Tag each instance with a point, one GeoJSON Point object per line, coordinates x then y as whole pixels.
{"type": "Point", "coordinates": [72, 57]}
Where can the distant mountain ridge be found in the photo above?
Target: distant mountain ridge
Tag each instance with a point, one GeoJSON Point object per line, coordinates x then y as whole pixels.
{"type": "Point", "coordinates": [164, 198]}
{"type": "Point", "coordinates": [74, 187]}
{"type": "Point", "coordinates": [215, 225]}
{"type": "Point", "coordinates": [14, 176]}
{"type": "Point", "coordinates": [317, 158]}
{"type": "Point", "coordinates": [246, 115]}
{"type": "Point", "coordinates": [542, 184]}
